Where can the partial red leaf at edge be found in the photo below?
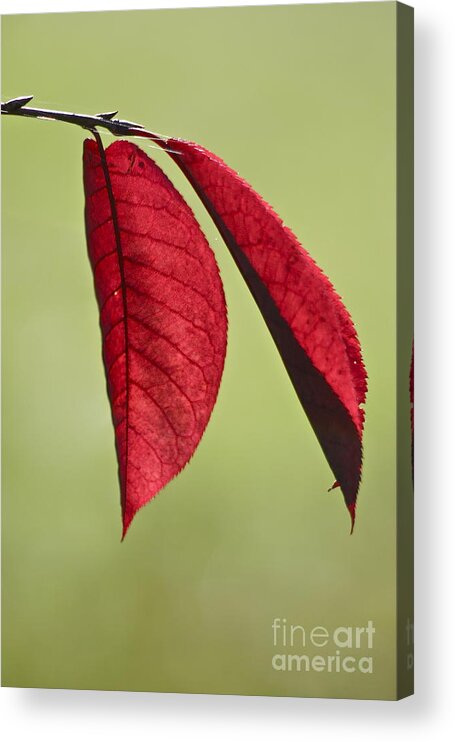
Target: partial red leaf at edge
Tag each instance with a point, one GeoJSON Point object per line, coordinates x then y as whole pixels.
{"type": "Point", "coordinates": [411, 399]}
{"type": "Point", "coordinates": [162, 316]}
{"type": "Point", "coordinates": [308, 321]}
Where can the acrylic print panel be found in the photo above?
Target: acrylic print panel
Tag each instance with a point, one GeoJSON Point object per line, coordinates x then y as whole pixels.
{"type": "Point", "coordinates": [246, 541]}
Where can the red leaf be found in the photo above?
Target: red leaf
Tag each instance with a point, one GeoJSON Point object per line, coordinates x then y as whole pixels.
{"type": "Point", "coordinates": [162, 316]}
{"type": "Point", "coordinates": [307, 319]}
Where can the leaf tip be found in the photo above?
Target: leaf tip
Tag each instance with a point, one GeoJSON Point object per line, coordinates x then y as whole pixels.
{"type": "Point", "coordinates": [351, 509]}
{"type": "Point", "coordinates": [126, 522]}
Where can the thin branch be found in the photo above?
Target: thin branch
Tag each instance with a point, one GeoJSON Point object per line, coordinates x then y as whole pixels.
{"type": "Point", "coordinates": [118, 127]}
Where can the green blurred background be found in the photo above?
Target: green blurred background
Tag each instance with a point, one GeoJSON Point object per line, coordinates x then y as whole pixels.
{"type": "Point", "coordinates": [301, 101]}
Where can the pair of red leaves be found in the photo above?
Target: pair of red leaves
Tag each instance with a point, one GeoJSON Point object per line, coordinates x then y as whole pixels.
{"type": "Point", "coordinates": [163, 314]}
